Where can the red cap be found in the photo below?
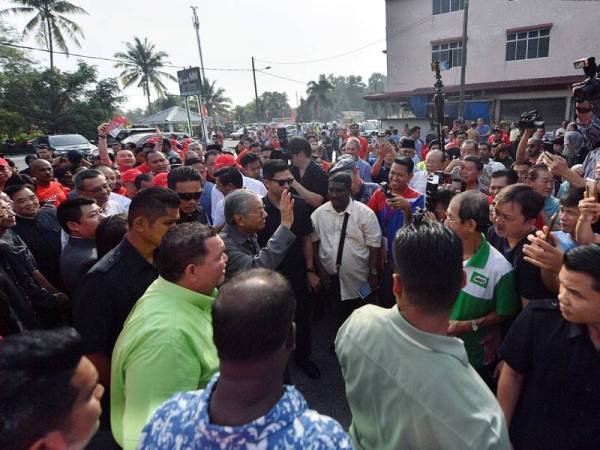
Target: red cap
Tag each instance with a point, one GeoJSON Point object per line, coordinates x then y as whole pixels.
{"type": "Point", "coordinates": [241, 155]}
{"type": "Point", "coordinates": [3, 162]}
{"type": "Point", "coordinates": [130, 175]}
{"type": "Point", "coordinates": [224, 160]}
{"type": "Point", "coordinates": [160, 179]}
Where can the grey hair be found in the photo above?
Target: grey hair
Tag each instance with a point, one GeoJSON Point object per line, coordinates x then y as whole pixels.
{"type": "Point", "coordinates": [236, 202]}
{"type": "Point", "coordinates": [353, 139]}
{"type": "Point", "coordinates": [87, 174]}
{"type": "Point", "coordinates": [474, 205]}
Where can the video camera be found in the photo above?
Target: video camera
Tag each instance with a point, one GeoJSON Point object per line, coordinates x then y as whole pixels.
{"type": "Point", "coordinates": [531, 119]}
{"type": "Point", "coordinates": [588, 89]}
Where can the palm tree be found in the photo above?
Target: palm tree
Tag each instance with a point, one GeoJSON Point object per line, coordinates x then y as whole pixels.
{"type": "Point", "coordinates": [214, 98]}
{"type": "Point", "coordinates": [317, 95]}
{"type": "Point", "coordinates": [49, 23]}
{"type": "Point", "coordinates": [141, 64]}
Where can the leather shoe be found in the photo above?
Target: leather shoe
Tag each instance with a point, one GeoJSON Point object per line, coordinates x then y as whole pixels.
{"type": "Point", "coordinates": [310, 369]}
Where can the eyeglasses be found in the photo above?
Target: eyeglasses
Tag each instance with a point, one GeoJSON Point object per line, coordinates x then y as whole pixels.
{"type": "Point", "coordinates": [583, 110]}
{"type": "Point", "coordinates": [282, 183]}
{"type": "Point", "coordinates": [189, 195]}
{"type": "Point", "coordinates": [98, 189]}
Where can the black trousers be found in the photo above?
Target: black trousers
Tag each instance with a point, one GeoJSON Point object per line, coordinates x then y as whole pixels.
{"type": "Point", "coordinates": [303, 315]}
{"type": "Point", "coordinates": [343, 308]}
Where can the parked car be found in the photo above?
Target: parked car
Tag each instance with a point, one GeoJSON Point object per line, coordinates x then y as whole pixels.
{"type": "Point", "coordinates": [238, 134]}
{"type": "Point", "coordinates": [60, 144]}
{"type": "Point", "coordinates": [141, 138]}
{"type": "Point", "coordinates": [126, 132]}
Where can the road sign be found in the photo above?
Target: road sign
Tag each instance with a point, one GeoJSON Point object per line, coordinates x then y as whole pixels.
{"type": "Point", "coordinates": [189, 81]}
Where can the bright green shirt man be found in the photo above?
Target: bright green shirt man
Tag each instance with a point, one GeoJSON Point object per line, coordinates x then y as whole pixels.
{"type": "Point", "coordinates": [165, 347]}
{"type": "Point", "coordinates": [490, 288]}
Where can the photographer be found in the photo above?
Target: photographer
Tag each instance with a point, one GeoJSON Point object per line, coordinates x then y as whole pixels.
{"type": "Point", "coordinates": [589, 126]}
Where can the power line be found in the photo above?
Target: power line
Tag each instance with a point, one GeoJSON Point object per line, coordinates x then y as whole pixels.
{"type": "Point", "coordinates": [9, 44]}
{"type": "Point", "coordinates": [349, 52]}
{"type": "Point", "coordinates": [280, 76]}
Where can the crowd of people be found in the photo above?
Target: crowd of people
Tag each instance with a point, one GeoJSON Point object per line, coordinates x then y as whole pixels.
{"type": "Point", "coordinates": [163, 291]}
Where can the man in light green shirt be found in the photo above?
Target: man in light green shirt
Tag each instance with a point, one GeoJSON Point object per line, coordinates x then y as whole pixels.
{"type": "Point", "coordinates": [166, 343]}
{"type": "Point", "coordinates": [408, 384]}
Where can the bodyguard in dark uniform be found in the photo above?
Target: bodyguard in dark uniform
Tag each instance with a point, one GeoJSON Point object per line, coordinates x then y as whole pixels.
{"type": "Point", "coordinates": [110, 289]}
{"type": "Point", "coordinates": [549, 388]}
{"type": "Point", "coordinates": [298, 264]}
{"type": "Point", "coordinates": [310, 181]}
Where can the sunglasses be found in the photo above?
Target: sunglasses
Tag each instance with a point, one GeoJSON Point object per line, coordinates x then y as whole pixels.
{"type": "Point", "coordinates": [189, 195]}
{"type": "Point", "coordinates": [583, 110]}
{"type": "Point", "coordinates": [282, 183]}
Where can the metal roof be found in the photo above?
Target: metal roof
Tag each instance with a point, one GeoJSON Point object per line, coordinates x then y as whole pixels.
{"type": "Point", "coordinates": [174, 114]}
{"type": "Point", "coordinates": [532, 84]}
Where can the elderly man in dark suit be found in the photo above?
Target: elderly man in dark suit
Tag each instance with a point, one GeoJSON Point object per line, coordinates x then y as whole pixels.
{"type": "Point", "coordinates": [244, 216]}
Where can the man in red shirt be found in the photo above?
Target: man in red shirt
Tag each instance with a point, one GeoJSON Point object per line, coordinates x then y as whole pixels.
{"type": "Point", "coordinates": [364, 144]}
{"type": "Point", "coordinates": [47, 190]}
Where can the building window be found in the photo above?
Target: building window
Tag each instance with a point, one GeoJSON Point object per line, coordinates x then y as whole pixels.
{"type": "Point", "coordinates": [450, 52]}
{"type": "Point", "coordinates": [445, 6]}
{"type": "Point", "coordinates": [527, 44]}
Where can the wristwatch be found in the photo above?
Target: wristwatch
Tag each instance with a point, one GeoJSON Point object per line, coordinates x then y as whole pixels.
{"type": "Point", "coordinates": [474, 325]}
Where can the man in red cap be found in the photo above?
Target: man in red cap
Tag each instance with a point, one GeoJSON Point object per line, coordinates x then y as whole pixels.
{"type": "Point", "coordinates": [128, 180]}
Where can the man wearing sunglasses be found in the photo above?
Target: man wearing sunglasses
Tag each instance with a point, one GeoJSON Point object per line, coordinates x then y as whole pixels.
{"type": "Point", "coordinates": [298, 265]}
{"type": "Point", "coordinates": [187, 183]}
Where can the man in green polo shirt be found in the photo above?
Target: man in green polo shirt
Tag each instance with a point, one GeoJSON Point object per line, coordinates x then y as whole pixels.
{"type": "Point", "coordinates": [166, 343]}
{"type": "Point", "coordinates": [489, 296]}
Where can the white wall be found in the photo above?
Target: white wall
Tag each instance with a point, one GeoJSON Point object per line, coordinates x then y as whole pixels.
{"type": "Point", "coordinates": [411, 27]}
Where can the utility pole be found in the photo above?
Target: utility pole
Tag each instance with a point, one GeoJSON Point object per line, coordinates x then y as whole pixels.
{"type": "Point", "coordinates": [197, 27]}
{"type": "Point", "coordinates": [255, 91]}
{"type": "Point", "coordinates": [463, 64]}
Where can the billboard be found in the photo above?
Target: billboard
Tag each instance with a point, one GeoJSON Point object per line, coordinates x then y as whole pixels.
{"type": "Point", "coordinates": [189, 81]}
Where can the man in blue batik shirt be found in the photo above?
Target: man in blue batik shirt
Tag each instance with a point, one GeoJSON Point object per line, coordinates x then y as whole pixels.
{"type": "Point", "coordinates": [249, 405]}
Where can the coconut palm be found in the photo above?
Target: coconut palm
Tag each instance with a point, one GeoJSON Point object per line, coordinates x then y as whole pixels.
{"type": "Point", "coordinates": [141, 64]}
{"type": "Point", "coordinates": [49, 23]}
{"type": "Point", "coordinates": [214, 98]}
{"type": "Point", "coordinates": [318, 95]}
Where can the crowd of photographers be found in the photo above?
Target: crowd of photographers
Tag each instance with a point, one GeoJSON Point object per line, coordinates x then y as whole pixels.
{"type": "Point", "coordinates": [183, 268]}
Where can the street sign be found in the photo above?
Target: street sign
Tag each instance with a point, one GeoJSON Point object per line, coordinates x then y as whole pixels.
{"type": "Point", "coordinates": [189, 81]}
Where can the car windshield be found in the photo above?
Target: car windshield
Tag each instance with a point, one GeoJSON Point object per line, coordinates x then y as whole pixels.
{"type": "Point", "coordinates": [369, 126]}
{"type": "Point", "coordinates": [67, 139]}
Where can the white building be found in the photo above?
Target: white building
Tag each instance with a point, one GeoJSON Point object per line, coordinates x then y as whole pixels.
{"type": "Point", "coordinates": [520, 56]}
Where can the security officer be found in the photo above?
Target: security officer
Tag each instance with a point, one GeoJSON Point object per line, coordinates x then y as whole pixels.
{"type": "Point", "coordinates": [110, 289]}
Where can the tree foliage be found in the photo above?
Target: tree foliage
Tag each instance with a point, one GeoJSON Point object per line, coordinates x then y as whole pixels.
{"type": "Point", "coordinates": [55, 101]}
{"type": "Point", "coordinates": [49, 24]}
{"type": "Point", "coordinates": [142, 64]}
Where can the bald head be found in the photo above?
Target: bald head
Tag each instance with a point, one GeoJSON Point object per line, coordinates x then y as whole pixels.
{"type": "Point", "coordinates": [42, 171]}
{"type": "Point", "coordinates": [434, 160]}
{"type": "Point", "coordinates": [252, 316]}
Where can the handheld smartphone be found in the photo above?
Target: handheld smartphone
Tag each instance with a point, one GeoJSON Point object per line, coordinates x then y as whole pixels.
{"type": "Point", "coordinates": [385, 188]}
{"type": "Point", "coordinates": [591, 188]}
{"type": "Point", "coordinates": [551, 225]}
{"type": "Point", "coordinates": [364, 290]}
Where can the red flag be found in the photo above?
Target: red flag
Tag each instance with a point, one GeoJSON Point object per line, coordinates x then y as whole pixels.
{"type": "Point", "coordinates": [204, 111]}
{"type": "Point", "coordinates": [293, 116]}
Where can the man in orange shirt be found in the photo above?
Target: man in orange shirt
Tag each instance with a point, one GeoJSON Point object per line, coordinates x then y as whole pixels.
{"type": "Point", "coordinates": [47, 190]}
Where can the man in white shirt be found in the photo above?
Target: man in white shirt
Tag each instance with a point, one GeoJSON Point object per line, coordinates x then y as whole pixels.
{"type": "Point", "coordinates": [434, 162]}
{"type": "Point", "coordinates": [357, 269]}
{"type": "Point", "coordinates": [92, 184]}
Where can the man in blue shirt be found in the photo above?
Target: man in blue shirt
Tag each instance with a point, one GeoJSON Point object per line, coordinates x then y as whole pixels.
{"type": "Point", "coordinates": [253, 331]}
